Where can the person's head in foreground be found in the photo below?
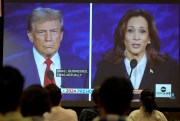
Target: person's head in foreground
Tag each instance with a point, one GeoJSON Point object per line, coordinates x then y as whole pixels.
{"type": "Point", "coordinates": [11, 88]}
{"type": "Point", "coordinates": [55, 94]}
{"type": "Point", "coordinates": [115, 96]}
{"type": "Point", "coordinates": [148, 101]}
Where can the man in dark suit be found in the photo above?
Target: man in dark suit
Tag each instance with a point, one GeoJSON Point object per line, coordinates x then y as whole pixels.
{"type": "Point", "coordinates": [45, 31]}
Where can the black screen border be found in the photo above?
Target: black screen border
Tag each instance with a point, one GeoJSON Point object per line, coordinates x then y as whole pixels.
{"type": "Point", "coordinates": [90, 103]}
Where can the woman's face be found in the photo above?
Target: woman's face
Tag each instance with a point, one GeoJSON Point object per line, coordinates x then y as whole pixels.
{"type": "Point", "coordinates": [136, 36]}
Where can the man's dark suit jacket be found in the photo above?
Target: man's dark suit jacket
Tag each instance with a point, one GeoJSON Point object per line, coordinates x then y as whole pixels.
{"type": "Point", "coordinates": [165, 73]}
{"type": "Point", "coordinates": [25, 62]}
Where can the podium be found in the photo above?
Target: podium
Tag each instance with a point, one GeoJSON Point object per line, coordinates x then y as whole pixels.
{"type": "Point", "coordinates": [136, 95]}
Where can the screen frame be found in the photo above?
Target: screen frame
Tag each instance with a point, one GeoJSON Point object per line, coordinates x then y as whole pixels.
{"type": "Point", "coordinates": [90, 103]}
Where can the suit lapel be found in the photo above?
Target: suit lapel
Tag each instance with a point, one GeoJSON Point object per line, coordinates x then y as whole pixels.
{"type": "Point", "coordinates": [64, 65]}
{"type": "Point", "coordinates": [34, 73]}
{"type": "Point", "coordinates": [123, 70]}
{"type": "Point", "coordinates": [147, 79]}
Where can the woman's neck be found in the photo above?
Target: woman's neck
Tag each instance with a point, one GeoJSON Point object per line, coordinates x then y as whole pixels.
{"type": "Point", "coordinates": [131, 56]}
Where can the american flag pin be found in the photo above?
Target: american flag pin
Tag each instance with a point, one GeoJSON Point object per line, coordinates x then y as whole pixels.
{"type": "Point", "coordinates": [151, 71]}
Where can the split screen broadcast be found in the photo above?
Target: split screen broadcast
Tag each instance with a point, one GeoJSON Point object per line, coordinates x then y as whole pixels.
{"type": "Point", "coordinates": [91, 42]}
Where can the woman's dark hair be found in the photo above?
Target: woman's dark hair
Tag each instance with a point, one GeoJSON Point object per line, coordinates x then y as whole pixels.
{"type": "Point", "coordinates": [152, 49]}
{"type": "Point", "coordinates": [147, 99]}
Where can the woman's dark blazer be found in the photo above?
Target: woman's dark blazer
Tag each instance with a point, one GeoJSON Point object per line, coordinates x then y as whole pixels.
{"type": "Point", "coordinates": [165, 73]}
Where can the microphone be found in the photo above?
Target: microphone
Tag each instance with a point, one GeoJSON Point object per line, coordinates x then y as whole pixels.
{"type": "Point", "coordinates": [133, 64]}
{"type": "Point", "coordinates": [50, 75]}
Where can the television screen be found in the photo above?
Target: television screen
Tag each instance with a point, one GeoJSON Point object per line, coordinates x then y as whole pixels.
{"type": "Point", "coordinates": [87, 34]}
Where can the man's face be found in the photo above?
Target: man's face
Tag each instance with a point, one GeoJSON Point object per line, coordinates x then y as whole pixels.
{"type": "Point", "coordinates": [46, 37]}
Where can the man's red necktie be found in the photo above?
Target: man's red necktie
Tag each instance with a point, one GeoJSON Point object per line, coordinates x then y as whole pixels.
{"type": "Point", "coordinates": [47, 80]}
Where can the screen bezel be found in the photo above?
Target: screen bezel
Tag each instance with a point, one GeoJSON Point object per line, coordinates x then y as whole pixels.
{"type": "Point", "coordinates": [90, 103]}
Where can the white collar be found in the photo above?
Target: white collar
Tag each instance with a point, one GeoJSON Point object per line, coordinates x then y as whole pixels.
{"type": "Point", "coordinates": [39, 59]}
{"type": "Point", "coordinates": [143, 61]}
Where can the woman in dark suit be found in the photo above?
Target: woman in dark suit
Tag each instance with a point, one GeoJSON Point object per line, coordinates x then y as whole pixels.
{"type": "Point", "coordinates": [136, 37]}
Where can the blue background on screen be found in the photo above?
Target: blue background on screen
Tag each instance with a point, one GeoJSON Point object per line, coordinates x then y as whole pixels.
{"type": "Point", "coordinates": [76, 24]}
{"type": "Point", "coordinates": [107, 16]}
{"type": "Point", "coordinates": [76, 27]}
